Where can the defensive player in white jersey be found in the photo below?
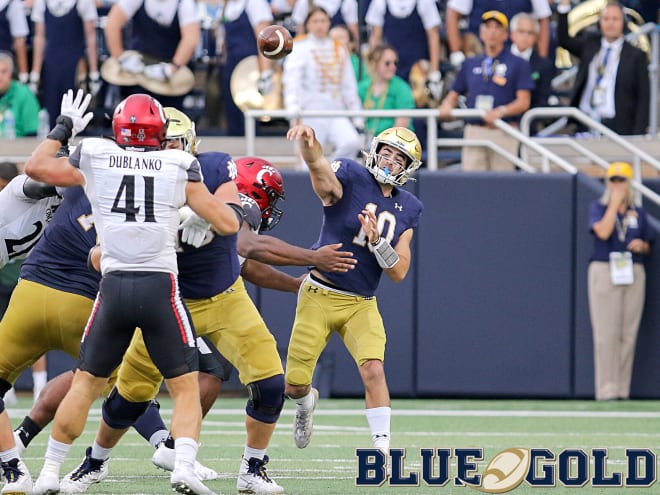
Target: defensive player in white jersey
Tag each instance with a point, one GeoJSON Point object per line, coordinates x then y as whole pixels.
{"type": "Point", "coordinates": [135, 191]}
{"type": "Point", "coordinates": [26, 206]}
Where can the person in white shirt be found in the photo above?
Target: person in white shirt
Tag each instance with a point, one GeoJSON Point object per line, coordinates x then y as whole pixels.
{"type": "Point", "coordinates": [13, 36]}
{"type": "Point", "coordinates": [318, 75]}
{"type": "Point", "coordinates": [341, 12]}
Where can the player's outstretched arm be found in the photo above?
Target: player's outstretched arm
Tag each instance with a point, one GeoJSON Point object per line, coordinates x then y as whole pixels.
{"type": "Point", "coordinates": [44, 166]}
{"type": "Point", "coordinates": [273, 251]}
{"type": "Point", "coordinates": [324, 181]}
{"type": "Point", "coordinates": [268, 277]}
{"type": "Point", "coordinates": [225, 218]}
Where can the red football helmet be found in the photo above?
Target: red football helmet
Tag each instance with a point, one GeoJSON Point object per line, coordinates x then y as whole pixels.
{"type": "Point", "coordinates": [139, 121]}
{"type": "Point", "coordinates": [261, 181]}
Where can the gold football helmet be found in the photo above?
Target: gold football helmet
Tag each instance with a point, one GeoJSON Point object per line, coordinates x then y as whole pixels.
{"type": "Point", "coordinates": [182, 128]}
{"type": "Point", "coordinates": [403, 140]}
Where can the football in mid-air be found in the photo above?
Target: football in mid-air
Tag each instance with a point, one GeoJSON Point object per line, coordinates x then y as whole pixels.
{"type": "Point", "coordinates": [275, 42]}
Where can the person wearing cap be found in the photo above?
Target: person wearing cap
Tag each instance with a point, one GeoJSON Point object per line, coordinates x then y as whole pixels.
{"type": "Point", "coordinates": [617, 281]}
{"type": "Point", "coordinates": [612, 82]}
{"type": "Point", "coordinates": [473, 11]}
{"type": "Point", "coordinates": [500, 84]}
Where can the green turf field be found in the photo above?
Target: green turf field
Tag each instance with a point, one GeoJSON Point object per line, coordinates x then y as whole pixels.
{"type": "Point", "coordinates": [329, 465]}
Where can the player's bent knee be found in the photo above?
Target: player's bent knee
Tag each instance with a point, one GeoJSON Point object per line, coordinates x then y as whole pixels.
{"type": "Point", "coordinates": [266, 399]}
{"type": "Point", "coordinates": [119, 413]}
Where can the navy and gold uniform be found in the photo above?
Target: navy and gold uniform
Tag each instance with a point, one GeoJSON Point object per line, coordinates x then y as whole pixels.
{"type": "Point", "coordinates": [348, 305]}
{"type": "Point", "coordinates": [54, 279]}
{"type": "Point", "coordinates": [220, 307]}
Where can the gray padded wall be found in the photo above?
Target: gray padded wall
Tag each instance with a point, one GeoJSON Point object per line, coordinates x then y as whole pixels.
{"type": "Point", "coordinates": [495, 257]}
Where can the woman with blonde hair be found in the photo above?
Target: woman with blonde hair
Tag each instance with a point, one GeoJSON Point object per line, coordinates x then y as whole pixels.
{"type": "Point", "coordinates": [617, 281]}
{"type": "Point", "coordinates": [384, 90]}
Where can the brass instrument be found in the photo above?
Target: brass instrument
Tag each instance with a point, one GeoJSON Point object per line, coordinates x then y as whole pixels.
{"type": "Point", "coordinates": [243, 87]}
{"type": "Point", "coordinates": [181, 82]}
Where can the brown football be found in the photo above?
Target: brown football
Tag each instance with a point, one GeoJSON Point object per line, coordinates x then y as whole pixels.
{"type": "Point", "coordinates": [275, 42]}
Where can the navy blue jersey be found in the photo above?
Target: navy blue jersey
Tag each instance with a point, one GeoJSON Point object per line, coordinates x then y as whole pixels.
{"type": "Point", "coordinates": [633, 224]}
{"type": "Point", "coordinates": [395, 215]}
{"type": "Point", "coordinates": [500, 77]}
{"type": "Point", "coordinates": [59, 260]}
{"type": "Point", "coordinates": [212, 268]}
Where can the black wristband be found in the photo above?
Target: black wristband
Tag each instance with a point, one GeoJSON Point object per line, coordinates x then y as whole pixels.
{"type": "Point", "coordinates": [375, 242]}
{"type": "Point", "coordinates": [238, 210]}
{"type": "Point", "coordinates": [62, 131]}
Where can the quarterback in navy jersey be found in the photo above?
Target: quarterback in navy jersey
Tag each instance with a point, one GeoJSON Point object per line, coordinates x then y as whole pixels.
{"type": "Point", "coordinates": [364, 208]}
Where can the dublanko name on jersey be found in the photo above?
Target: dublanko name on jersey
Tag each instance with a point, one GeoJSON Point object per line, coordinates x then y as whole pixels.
{"type": "Point", "coordinates": [135, 162]}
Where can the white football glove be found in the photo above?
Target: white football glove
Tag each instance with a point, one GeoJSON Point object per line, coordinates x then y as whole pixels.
{"type": "Point", "coordinates": [193, 229]}
{"type": "Point", "coordinates": [75, 110]}
{"type": "Point", "coordinates": [456, 59]}
{"type": "Point", "coordinates": [131, 62]}
{"type": "Point", "coordinates": [161, 71]}
{"type": "Point", "coordinates": [435, 84]}
{"type": "Point", "coordinates": [265, 82]}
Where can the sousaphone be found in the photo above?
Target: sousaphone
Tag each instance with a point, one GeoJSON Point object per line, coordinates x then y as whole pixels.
{"type": "Point", "coordinates": [243, 87]}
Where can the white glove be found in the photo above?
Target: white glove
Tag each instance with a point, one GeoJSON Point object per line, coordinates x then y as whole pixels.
{"type": "Point", "coordinates": [456, 59]}
{"type": "Point", "coordinates": [94, 83]}
{"type": "Point", "coordinates": [161, 71]}
{"type": "Point", "coordinates": [194, 229]}
{"type": "Point", "coordinates": [34, 82]}
{"type": "Point", "coordinates": [131, 62]}
{"type": "Point", "coordinates": [265, 82]}
{"type": "Point", "coordinates": [23, 77]}
{"type": "Point", "coordinates": [75, 110]}
{"type": "Point", "coordinates": [435, 84]}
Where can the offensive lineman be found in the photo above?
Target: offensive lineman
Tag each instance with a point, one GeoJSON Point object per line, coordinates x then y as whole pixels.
{"type": "Point", "coordinates": [135, 192]}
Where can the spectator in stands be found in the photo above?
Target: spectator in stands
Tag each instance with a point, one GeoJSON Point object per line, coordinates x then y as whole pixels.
{"type": "Point", "coordinates": [342, 34]}
{"type": "Point", "coordinates": [524, 35]}
{"type": "Point", "coordinates": [64, 32]}
{"type": "Point", "coordinates": [318, 75]}
{"type": "Point", "coordinates": [243, 20]}
{"type": "Point", "coordinates": [164, 32]}
{"type": "Point", "coordinates": [14, 30]}
{"type": "Point", "coordinates": [497, 82]}
{"type": "Point", "coordinates": [412, 27]}
{"type": "Point", "coordinates": [341, 12]}
{"type": "Point", "coordinates": [612, 83]}
{"type": "Point", "coordinates": [617, 281]}
{"type": "Point", "coordinates": [456, 9]}
{"type": "Point", "coordinates": [18, 98]}
{"type": "Point", "coordinates": [384, 90]}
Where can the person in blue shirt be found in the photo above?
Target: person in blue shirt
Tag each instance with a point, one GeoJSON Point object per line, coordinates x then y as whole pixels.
{"type": "Point", "coordinates": [617, 281]}
{"type": "Point", "coordinates": [500, 84]}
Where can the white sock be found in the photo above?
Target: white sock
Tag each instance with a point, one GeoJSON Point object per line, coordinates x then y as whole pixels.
{"type": "Point", "coordinates": [8, 455]}
{"type": "Point", "coordinates": [57, 451]}
{"type": "Point", "coordinates": [249, 453]}
{"type": "Point", "coordinates": [379, 424]}
{"type": "Point", "coordinates": [185, 451]}
{"type": "Point", "coordinates": [158, 437]}
{"type": "Point", "coordinates": [99, 452]}
{"type": "Point", "coordinates": [306, 402]}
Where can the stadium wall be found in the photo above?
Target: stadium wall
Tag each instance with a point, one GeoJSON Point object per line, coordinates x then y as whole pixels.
{"type": "Point", "coordinates": [495, 304]}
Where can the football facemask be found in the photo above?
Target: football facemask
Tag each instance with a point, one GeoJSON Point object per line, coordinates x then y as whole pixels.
{"type": "Point", "coordinates": [384, 167]}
